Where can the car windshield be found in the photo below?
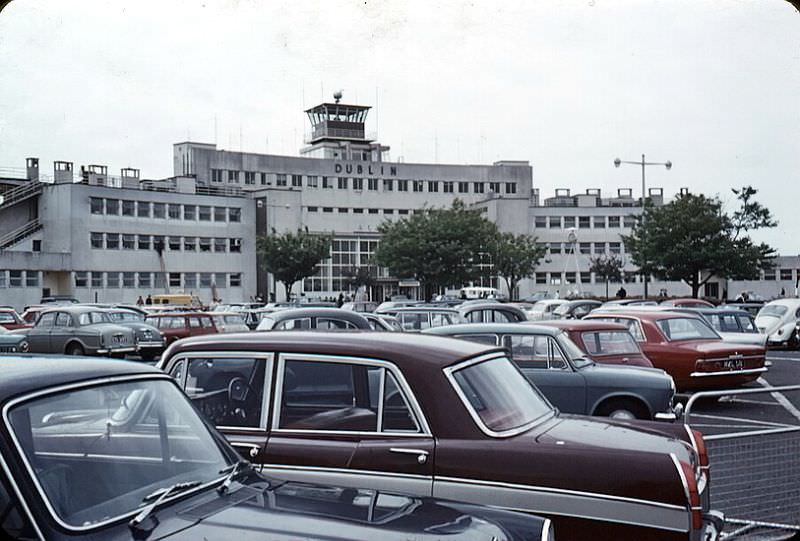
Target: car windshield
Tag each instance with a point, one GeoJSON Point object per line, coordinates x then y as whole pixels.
{"type": "Point", "coordinates": [97, 451]}
{"type": "Point", "coordinates": [499, 397]}
{"type": "Point", "coordinates": [773, 310]}
{"type": "Point", "coordinates": [576, 354]}
{"type": "Point", "coordinates": [90, 318]}
{"type": "Point", "coordinates": [609, 343]}
{"type": "Point", "coordinates": [686, 328]}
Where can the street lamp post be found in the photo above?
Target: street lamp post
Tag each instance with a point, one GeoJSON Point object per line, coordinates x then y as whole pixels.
{"type": "Point", "coordinates": [643, 163]}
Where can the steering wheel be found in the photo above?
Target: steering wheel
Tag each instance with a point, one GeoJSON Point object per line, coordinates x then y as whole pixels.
{"type": "Point", "coordinates": [238, 389]}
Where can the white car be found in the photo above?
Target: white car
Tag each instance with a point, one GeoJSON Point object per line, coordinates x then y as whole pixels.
{"type": "Point", "coordinates": [544, 309]}
{"type": "Point", "coordinates": [779, 320]}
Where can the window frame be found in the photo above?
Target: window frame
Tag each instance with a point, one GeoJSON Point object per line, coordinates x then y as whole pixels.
{"type": "Point", "coordinates": [405, 388]}
{"type": "Point", "coordinates": [269, 358]}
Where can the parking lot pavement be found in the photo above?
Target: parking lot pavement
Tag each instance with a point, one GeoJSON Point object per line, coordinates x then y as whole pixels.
{"type": "Point", "coordinates": [756, 477]}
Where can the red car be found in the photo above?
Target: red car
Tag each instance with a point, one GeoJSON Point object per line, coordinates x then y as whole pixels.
{"type": "Point", "coordinates": [688, 349]}
{"type": "Point", "coordinates": [11, 320]}
{"type": "Point", "coordinates": [177, 325]}
{"type": "Point", "coordinates": [603, 342]}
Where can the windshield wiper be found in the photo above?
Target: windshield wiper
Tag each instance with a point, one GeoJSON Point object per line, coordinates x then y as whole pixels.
{"type": "Point", "coordinates": [160, 495]}
{"type": "Point", "coordinates": [233, 471]}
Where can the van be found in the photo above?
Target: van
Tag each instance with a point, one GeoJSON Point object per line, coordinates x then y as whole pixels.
{"type": "Point", "coordinates": [476, 292]}
{"type": "Point", "coordinates": [179, 299]}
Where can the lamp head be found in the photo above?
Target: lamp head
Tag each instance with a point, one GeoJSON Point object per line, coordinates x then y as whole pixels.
{"type": "Point", "coordinates": [617, 161]}
{"type": "Point", "coordinates": [668, 165]}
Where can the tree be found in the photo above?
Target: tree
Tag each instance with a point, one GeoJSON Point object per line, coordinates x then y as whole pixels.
{"type": "Point", "coordinates": [437, 246]}
{"type": "Point", "coordinates": [607, 267]}
{"type": "Point", "coordinates": [290, 257]}
{"type": "Point", "coordinates": [515, 257]}
{"type": "Point", "coordinates": [359, 276]}
{"type": "Point", "coordinates": [693, 239]}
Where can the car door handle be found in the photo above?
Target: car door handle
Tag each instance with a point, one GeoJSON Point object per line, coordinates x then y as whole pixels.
{"type": "Point", "coordinates": [253, 448]}
{"type": "Point", "coordinates": [422, 454]}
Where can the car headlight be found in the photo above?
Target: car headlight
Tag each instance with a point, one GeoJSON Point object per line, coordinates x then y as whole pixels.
{"type": "Point", "coordinates": [24, 346]}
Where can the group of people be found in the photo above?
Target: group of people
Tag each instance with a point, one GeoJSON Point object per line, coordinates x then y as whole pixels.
{"type": "Point", "coordinates": [140, 301]}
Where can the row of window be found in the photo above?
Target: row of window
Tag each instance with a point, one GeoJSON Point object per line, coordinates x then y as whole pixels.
{"type": "Point", "coordinates": [171, 211]}
{"type": "Point", "coordinates": [130, 241]}
{"type": "Point", "coordinates": [584, 222]}
{"type": "Point", "coordinates": [18, 278]}
{"type": "Point", "coordinates": [566, 278]}
{"type": "Point", "coordinates": [128, 279]}
{"type": "Point", "coordinates": [358, 184]}
{"type": "Point", "coordinates": [584, 247]}
{"type": "Point", "coordinates": [357, 210]}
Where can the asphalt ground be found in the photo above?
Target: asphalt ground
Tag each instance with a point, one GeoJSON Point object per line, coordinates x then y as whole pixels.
{"type": "Point", "coordinates": [757, 477]}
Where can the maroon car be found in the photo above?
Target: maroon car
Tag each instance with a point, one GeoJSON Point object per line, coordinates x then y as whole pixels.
{"type": "Point", "coordinates": [688, 349]}
{"type": "Point", "coordinates": [442, 417]}
{"type": "Point", "coordinates": [177, 325]}
{"type": "Point", "coordinates": [11, 320]}
{"type": "Point", "coordinates": [603, 342]}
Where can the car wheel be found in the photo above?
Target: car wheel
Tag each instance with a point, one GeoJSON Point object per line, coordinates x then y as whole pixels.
{"type": "Point", "coordinates": [624, 409]}
{"type": "Point", "coordinates": [75, 349]}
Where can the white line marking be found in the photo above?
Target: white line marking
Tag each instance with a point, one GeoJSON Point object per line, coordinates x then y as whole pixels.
{"type": "Point", "coordinates": [794, 359]}
{"type": "Point", "coordinates": [756, 422]}
{"type": "Point", "coordinates": [782, 400]}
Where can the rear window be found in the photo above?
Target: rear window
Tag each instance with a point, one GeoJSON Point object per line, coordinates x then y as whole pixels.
{"type": "Point", "coordinates": [686, 328]}
{"type": "Point", "coordinates": [609, 343]}
{"type": "Point", "coordinates": [7, 317]}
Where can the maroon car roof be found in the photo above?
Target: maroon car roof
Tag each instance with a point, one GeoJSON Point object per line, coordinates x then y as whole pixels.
{"type": "Point", "coordinates": [581, 325]}
{"type": "Point", "coordinates": [399, 348]}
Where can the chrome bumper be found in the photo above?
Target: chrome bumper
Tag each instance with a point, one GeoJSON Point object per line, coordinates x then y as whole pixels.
{"type": "Point", "coordinates": [116, 350]}
{"type": "Point", "coordinates": [149, 345]}
{"type": "Point", "coordinates": [749, 371]}
{"type": "Point", "coordinates": [673, 414]}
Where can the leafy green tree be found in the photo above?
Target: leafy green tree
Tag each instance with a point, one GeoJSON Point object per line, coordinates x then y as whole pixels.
{"type": "Point", "coordinates": [693, 239]}
{"type": "Point", "coordinates": [290, 257]}
{"type": "Point", "coordinates": [609, 268]}
{"type": "Point", "coordinates": [437, 246]}
{"type": "Point", "coordinates": [515, 257]}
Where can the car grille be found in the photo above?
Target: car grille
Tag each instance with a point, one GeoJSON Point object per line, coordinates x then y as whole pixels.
{"type": "Point", "coordinates": [8, 349]}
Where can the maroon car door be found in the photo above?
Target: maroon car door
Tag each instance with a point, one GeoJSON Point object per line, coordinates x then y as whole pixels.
{"type": "Point", "coordinates": [334, 415]}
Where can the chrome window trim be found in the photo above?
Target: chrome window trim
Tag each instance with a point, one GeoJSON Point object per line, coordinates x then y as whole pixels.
{"type": "Point", "coordinates": [267, 357]}
{"type": "Point", "coordinates": [35, 478]}
{"type": "Point", "coordinates": [405, 388]}
{"type": "Point", "coordinates": [449, 374]}
{"type": "Point", "coordinates": [325, 469]}
{"type": "Point", "coordinates": [547, 526]}
{"type": "Point", "coordinates": [20, 499]}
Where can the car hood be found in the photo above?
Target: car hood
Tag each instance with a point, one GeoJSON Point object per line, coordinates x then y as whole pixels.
{"type": "Point", "coordinates": [768, 324]}
{"type": "Point", "coordinates": [627, 375]}
{"type": "Point", "coordinates": [287, 513]}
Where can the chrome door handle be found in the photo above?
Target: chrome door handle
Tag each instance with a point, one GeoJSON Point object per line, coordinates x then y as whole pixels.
{"type": "Point", "coordinates": [254, 449]}
{"type": "Point", "coordinates": [422, 454]}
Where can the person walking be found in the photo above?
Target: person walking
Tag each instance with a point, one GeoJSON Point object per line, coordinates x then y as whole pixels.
{"type": "Point", "coordinates": [139, 301]}
{"type": "Point", "coordinates": [149, 300]}
{"type": "Point", "coordinates": [621, 293]}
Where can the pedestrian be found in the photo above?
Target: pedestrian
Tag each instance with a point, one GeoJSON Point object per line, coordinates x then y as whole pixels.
{"type": "Point", "coordinates": [621, 293]}
{"type": "Point", "coordinates": [149, 300]}
{"type": "Point", "coordinates": [139, 301]}
{"type": "Point", "coordinates": [340, 300]}
{"type": "Point", "coordinates": [783, 292]}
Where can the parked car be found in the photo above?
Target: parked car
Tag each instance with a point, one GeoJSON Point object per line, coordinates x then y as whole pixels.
{"type": "Point", "coordinates": [779, 320]}
{"type": "Point", "coordinates": [388, 306]}
{"type": "Point", "coordinates": [58, 299]}
{"type": "Point", "coordinates": [570, 380]}
{"type": "Point", "coordinates": [360, 306]}
{"type": "Point", "coordinates": [448, 418]}
{"type": "Point", "coordinates": [687, 303]}
{"type": "Point", "coordinates": [31, 313]}
{"type": "Point", "coordinates": [11, 342]}
{"type": "Point", "coordinates": [10, 319]}
{"type": "Point", "coordinates": [230, 321]}
{"type": "Point", "coordinates": [575, 309]}
{"type": "Point", "coordinates": [491, 312]}
{"type": "Point", "coordinates": [176, 325]}
{"type": "Point", "coordinates": [383, 322]}
{"type": "Point", "coordinates": [601, 341]}
{"type": "Point", "coordinates": [115, 451]}
{"type": "Point", "coordinates": [149, 342]}
{"type": "Point", "coordinates": [544, 309]}
{"type": "Point", "coordinates": [78, 330]}
{"type": "Point", "coordinates": [735, 326]}
{"type": "Point", "coordinates": [751, 308]}
{"type": "Point", "coordinates": [688, 349]}
{"type": "Point", "coordinates": [417, 318]}
{"type": "Point", "coordinates": [328, 319]}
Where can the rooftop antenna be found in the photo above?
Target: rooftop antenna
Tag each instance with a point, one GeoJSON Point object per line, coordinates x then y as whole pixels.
{"type": "Point", "coordinates": [337, 96]}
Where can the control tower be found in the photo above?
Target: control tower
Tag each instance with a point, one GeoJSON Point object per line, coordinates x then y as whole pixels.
{"type": "Point", "coordinates": [337, 132]}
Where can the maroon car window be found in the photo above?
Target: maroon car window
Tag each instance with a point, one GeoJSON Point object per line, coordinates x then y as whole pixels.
{"type": "Point", "coordinates": [499, 396]}
{"type": "Point", "coordinates": [609, 343]}
{"type": "Point", "coordinates": [397, 415]}
{"type": "Point", "coordinates": [194, 322]}
{"type": "Point", "coordinates": [329, 396]}
{"type": "Point", "coordinates": [633, 326]}
{"type": "Point", "coordinates": [686, 328]}
{"type": "Point", "coordinates": [206, 322]}
{"type": "Point", "coordinates": [228, 391]}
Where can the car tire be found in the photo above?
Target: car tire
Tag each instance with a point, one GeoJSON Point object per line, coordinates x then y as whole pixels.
{"type": "Point", "coordinates": [623, 409]}
{"type": "Point", "coordinates": [75, 349]}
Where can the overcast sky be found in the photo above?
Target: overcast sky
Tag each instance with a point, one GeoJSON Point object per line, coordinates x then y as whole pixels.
{"type": "Point", "coordinates": [712, 86]}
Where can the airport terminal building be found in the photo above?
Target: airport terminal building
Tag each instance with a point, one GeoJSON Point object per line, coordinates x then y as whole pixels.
{"type": "Point", "coordinates": [112, 238]}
